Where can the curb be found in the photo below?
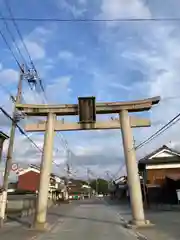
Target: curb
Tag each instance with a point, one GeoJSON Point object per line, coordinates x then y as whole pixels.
{"type": "Point", "coordinates": [129, 226]}
{"type": "Point", "coordinates": [126, 224]}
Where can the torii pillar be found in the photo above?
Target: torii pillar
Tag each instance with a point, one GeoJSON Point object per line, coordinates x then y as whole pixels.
{"type": "Point", "coordinates": [46, 164]}
{"type": "Point", "coordinates": [138, 217]}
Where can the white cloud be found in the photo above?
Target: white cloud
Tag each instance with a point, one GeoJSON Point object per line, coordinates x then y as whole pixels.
{"type": "Point", "coordinates": [41, 34]}
{"type": "Point", "coordinates": [36, 50]}
{"type": "Point", "coordinates": [151, 50]}
{"type": "Point", "coordinates": [60, 87]}
{"type": "Point", "coordinates": [8, 82]}
{"type": "Point", "coordinates": [32, 96]}
{"type": "Point", "coordinates": [29, 153]}
{"type": "Point", "coordinates": [41, 31]}
{"type": "Point", "coordinates": [83, 2]}
{"type": "Point", "coordinates": [119, 85]}
{"type": "Point", "coordinates": [88, 150]}
{"type": "Point", "coordinates": [35, 42]}
{"type": "Point", "coordinates": [73, 61]}
{"type": "Point", "coordinates": [77, 8]}
{"type": "Point", "coordinates": [66, 55]}
{"type": "Point", "coordinates": [8, 76]}
{"type": "Point", "coordinates": [159, 64]}
{"type": "Point", "coordinates": [115, 9]}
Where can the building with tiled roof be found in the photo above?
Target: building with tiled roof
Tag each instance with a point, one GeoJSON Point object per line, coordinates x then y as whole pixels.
{"type": "Point", "coordinates": [159, 164]}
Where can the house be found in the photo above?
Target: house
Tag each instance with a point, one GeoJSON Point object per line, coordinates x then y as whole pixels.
{"type": "Point", "coordinates": [161, 163]}
{"type": "Point", "coordinates": [161, 175]}
{"type": "Point", "coordinates": [29, 178]}
{"type": "Point", "coordinates": [3, 137]}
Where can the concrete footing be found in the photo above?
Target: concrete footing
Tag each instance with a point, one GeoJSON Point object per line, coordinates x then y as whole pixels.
{"type": "Point", "coordinates": [138, 224]}
{"type": "Point", "coordinates": [1, 222]}
{"type": "Point", "coordinates": [40, 226]}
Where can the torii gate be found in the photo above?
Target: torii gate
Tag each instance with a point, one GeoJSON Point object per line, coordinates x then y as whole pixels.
{"type": "Point", "coordinates": [87, 109]}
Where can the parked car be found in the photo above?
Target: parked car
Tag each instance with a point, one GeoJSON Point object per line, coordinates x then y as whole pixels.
{"type": "Point", "coordinates": [100, 195]}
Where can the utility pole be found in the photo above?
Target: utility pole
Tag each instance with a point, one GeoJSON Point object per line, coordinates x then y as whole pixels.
{"type": "Point", "coordinates": [143, 182]}
{"type": "Point", "coordinates": [68, 177]}
{"type": "Point", "coordinates": [88, 171]}
{"type": "Point", "coordinates": [96, 186]}
{"type": "Point", "coordinates": [10, 149]}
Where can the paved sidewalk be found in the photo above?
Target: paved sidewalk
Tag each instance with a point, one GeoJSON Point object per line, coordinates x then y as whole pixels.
{"type": "Point", "coordinates": [167, 222]}
{"type": "Point", "coordinates": [19, 228]}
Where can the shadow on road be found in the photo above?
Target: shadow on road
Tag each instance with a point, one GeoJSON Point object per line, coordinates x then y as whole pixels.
{"type": "Point", "coordinates": [25, 223]}
{"type": "Point", "coordinates": [86, 218]}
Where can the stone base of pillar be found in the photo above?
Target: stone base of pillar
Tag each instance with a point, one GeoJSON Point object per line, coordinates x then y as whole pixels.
{"type": "Point", "coordinates": [139, 224]}
{"type": "Point", "coordinates": [40, 226]}
{"type": "Point", "coordinates": [1, 223]}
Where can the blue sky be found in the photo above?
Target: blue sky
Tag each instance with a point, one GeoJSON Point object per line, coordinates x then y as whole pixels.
{"type": "Point", "coordinates": [113, 61]}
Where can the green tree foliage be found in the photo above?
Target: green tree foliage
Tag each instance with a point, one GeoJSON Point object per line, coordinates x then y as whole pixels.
{"type": "Point", "coordinates": [101, 185]}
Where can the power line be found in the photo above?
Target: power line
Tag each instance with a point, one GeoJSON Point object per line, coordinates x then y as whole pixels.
{"type": "Point", "coordinates": [71, 20]}
{"type": "Point", "coordinates": [64, 141]}
{"type": "Point", "coordinates": [23, 43]}
{"type": "Point", "coordinates": [119, 170]}
{"type": "Point", "coordinates": [18, 31]}
{"type": "Point", "coordinates": [156, 134]}
{"type": "Point", "coordinates": [23, 132]}
{"type": "Point", "coordinates": [7, 44]}
{"type": "Point", "coordinates": [20, 129]}
{"type": "Point", "coordinates": [8, 92]}
{"type": "Point", "coordinates": [13, 39]}
{"type": "Point", "coordinates": [22, 40]}
{"type": "Point", "coordinates": [160, 131]}
{"type": "Point", "coordinates": [29, 19]}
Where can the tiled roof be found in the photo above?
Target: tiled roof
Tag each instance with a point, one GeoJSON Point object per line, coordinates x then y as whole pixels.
{"type": "Point", "coordinates": [147, 160]}
{"type": "Point", "coordinates": [175, 159]}
{"type": "Point", "coordinates": [53, 175]}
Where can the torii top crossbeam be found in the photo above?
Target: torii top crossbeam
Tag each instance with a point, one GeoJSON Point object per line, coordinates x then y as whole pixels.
{"type": "Point", "coordinates": [101, 108]}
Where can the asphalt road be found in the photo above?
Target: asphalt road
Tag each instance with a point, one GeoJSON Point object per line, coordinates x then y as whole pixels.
{"type": "Point", "coordinates": [89, 219]}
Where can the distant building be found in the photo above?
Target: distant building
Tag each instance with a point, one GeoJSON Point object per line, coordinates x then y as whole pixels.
{"type": "Point", "coordinates": [118, 187]}
{"type": "Point", "coordinates": [29, 179]}
{"type": "Point", "coordinates": [77, 189]}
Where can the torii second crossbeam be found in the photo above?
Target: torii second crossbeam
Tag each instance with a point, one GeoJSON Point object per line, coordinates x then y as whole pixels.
{"type": "Point", "coordinates": [74, 126]}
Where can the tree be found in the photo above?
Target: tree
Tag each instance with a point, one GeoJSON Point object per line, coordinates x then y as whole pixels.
{"type": "Point", "coordinates": [99, 185]}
